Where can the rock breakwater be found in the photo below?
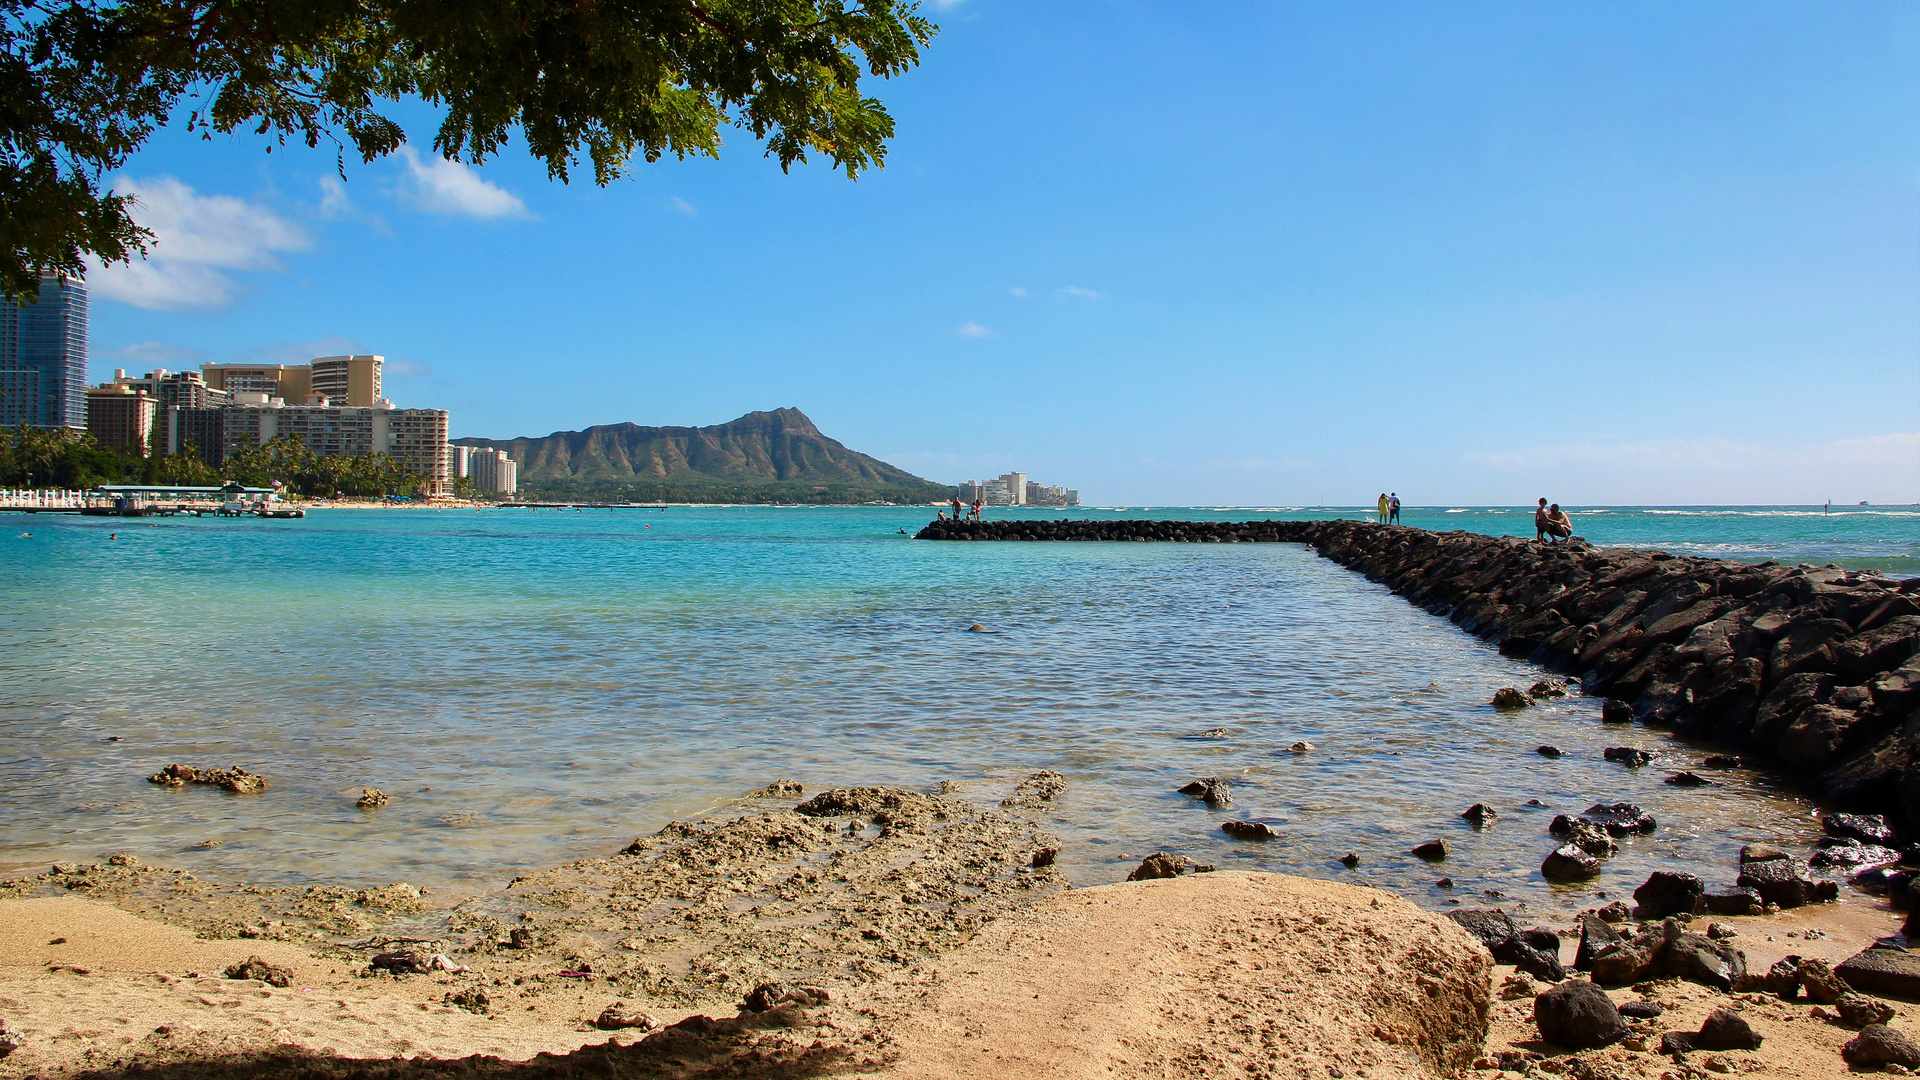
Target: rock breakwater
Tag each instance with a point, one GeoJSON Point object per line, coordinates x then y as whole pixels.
{"type": "Point", "coordinates": [1815, 671]}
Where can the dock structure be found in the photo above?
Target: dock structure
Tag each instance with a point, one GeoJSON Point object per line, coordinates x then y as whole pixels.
{"type": "Point", "coordinates": [154, 500]}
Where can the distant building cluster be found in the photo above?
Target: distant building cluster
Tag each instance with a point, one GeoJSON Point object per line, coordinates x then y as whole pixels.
{"type": "Point", "coordinates": [489, 469]}
{"type": "Point", "coordinates": [334, 404]}
{"type": "Point", "coordinates": [1014, 489]}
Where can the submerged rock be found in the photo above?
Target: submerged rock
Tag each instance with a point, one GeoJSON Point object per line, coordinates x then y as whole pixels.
{"type": "Point", "coordinates": [1615, 711]}
{"type": "Point", "coordinates": [1510, 697]}
{"type": "Point", "coordinates": [371, 799]}
{"type": "Point", "coordinates": [1479, 815]}
{"type": "Point", "coordinates": [1212, 790]}
{"type": "Point", "coordinates": [1548, 751]}
{"type": "Point", "coordinates": [1432, 850]}
{"type": "Point", "coordinates": [1162, 865]}
{"type": "Point", "coordinates": [1036, 791]}
{"type": "Point", "coordinates": [1631, 757]}
{"type": "Point", "coordinates": [1569, 863]}
{"type": "Point", "coordinates": [1547, 688]}
{"type": "Point", "coordinates": [237, 780]}
{"type": "Point", "coordinates": [1249, 830]}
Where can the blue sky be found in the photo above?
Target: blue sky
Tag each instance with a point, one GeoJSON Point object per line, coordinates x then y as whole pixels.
{"type": "Point", "coordinates": [1252, 254]}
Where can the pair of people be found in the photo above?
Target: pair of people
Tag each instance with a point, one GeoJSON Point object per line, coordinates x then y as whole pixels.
{"type": "Point", "coordinates": [1551, 523]}
{"type": "Point", "coordinates": [1389, 508]}
{"type": "Point", "coordinates": [974, 516]}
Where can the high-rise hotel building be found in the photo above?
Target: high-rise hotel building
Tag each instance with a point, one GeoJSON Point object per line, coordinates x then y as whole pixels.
{"type": "Point", "coordinates": [43, 356]}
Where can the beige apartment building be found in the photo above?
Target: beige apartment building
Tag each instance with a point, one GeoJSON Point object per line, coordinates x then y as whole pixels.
{"type": "Point", "coordinates": [352, 381]}
{"type": "Point", "coordinates": [119, 416]}
{"type": "Point", "coordinates": [415, 437]}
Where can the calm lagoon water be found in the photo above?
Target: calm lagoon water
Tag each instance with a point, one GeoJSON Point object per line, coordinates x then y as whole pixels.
{"type": "Point", "coordinates": [533, 686]}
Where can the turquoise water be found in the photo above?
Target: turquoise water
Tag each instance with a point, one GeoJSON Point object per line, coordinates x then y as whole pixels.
{"type": "Point", "coordinates": [532, 686]}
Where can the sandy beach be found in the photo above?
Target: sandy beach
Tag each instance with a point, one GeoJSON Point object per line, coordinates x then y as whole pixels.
{"type": "Point", "coordinates": [638, 964]}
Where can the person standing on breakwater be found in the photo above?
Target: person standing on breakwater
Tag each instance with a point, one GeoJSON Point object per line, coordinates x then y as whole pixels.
{"type": "Point", "coordinates": [1380, 510]}
{"type": "Point", "coordinates": [956, 508]}
{"type": "Point", "coordinates": [976, 509]}
{"type": "Point", "coordinates": [1541, 519]}
{"type": "Point", "coordinates": [1393, 508]}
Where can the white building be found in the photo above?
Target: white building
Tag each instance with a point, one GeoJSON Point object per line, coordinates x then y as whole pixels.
{"type": "Point", "coordinates": [459, 461]}
{"type": "Point", "coordinates": [493, 470]}
{"type": "Point", "coordinates": [1016, 483]}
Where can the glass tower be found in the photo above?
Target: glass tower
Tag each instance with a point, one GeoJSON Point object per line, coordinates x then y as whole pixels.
{"type": "Point", "coordinates": [43, 357]}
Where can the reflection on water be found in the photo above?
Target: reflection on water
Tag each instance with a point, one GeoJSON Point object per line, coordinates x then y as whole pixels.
{"type": "Point", "coordinates": [534, 687]}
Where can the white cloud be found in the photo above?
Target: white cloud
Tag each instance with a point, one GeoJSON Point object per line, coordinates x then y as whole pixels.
{"type": "Point", "coordinates": [406, 369]}
{"type": "Point", "coordinates": [1883, 468]}
{"type": "Point", "coordinates": [1017, 291]}
{"type": "Point", "coordinates": [1075, 290]}
{"type": "Point", "coordinates": [153, 354]}
{"type": "Point", "coordinates": [682, 205]}
{"type": "Point", "coordinates": [439, 186]}
{"type": "Point", "coordinates": [334, 201]}
{"type": "Point", "coordinates": [196, 238]}
{"type": "Point", "coordinates": [974, 330]}
{"type": "Point", "coordinates": [299, 352]}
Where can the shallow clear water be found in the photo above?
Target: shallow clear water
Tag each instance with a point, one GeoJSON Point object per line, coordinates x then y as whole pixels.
{"type": "Point", "coordinates": [536, 686]}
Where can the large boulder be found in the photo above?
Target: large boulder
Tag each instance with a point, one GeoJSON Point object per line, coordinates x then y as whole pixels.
{"type": "Point", "coordinates": [1848, 856]}
{"type": "Point", "coordinates": [1536, 952]}
{"type": "Point", "coordinates": [1701, 959]}
{"type": "Point", "coordinates": [1886, 972]}
{"type": "Point", "coordinates": [1568, 863]}
{"type": "Point", "coordinates": [1732, 901]}
{"type": "Point", "coordinates": [1669, 892]}
{"type": "Point", "coordinates": [1866, 828]}
{"type": "Point", "coordinates": [1723, 1030]}
{"type": "Point", "coordinates": [1596, 935]}
{"type": "Point", "coordinates": [1578, 1016]}
{"type": "Point", "coordinates": [1879, 1045]}
{"type": "Point", "coordinates": [1621, 818]}
{"type": "Point", "coordinates": [1779, 881]}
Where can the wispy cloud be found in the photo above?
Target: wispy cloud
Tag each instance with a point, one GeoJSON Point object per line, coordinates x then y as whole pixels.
{"type": "Point", "coordinates": [197, 240]}
{"type": "Point", "coordinates": [440, 186]}
{"type": "Point", "coordinates": [337, 205]}
{"type": "Point", "coordinates": [1017, 291]}
{"type": "Point", "coordinates": [299, 352]}
{"type": "Point", "coordinates": [683, 206]}
{"type": "Point", "coordinates": [154, 353]}
{"type": "Point", "coordinates": [1075, 290]}
{"type": "Point", "coordinates": [334, 201]}
{"type": "Point", "coordinates": [406, 369]}
{"type": "Point", "coordinates": [974, 330]}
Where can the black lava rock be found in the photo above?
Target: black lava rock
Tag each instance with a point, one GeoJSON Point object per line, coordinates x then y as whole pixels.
{"type": "Point", "coordinates": [1668, 892]}
{"type": "Point", "coordinates": [1579, 1016]}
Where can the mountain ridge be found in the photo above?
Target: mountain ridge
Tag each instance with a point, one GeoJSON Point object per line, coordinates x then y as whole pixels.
{"type": "Point", "coordinates": [763, 456]}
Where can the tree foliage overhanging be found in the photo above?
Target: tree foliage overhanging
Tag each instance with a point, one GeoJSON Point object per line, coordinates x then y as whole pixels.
{"type": "Point", "coordinates": [84, 83]}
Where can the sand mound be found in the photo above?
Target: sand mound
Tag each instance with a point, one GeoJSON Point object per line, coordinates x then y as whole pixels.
{"type": "Point", "coordinates": [1222, 974]}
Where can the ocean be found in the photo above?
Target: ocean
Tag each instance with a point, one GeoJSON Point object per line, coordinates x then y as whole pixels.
{"type": "Point", "coordinates": [535, 686]}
